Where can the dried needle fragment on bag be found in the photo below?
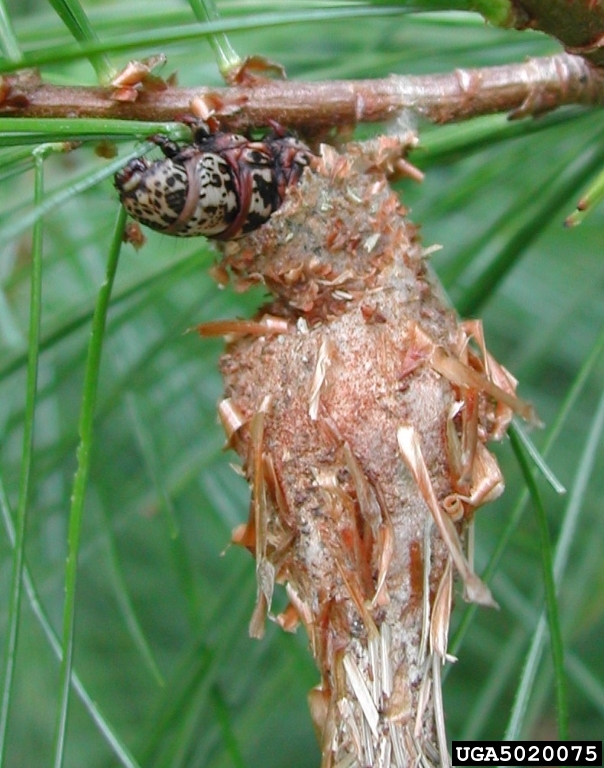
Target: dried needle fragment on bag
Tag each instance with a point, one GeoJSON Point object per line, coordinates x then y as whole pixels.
{"type": "Point", "coordinates": [361, 406]}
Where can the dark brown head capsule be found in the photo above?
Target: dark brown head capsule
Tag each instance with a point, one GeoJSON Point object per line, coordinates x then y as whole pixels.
{"type": "Point", "coordinates": [222, 185]}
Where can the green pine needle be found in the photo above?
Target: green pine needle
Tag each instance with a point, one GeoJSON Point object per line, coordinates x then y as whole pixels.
{"type": "Point", "coordinates": [80, 482]}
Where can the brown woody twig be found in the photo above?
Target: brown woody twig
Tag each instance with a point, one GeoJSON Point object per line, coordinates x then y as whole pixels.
{"type": "Point", "coordinates": [578, 24]}
{"type": "Point", "coordinates": [530, 88]}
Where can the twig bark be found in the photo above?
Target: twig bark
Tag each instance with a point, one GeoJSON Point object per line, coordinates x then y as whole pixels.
{"type": "Point", "coordinates": [579, 25]}
{"type": "Point", "coordinates": [530, 88]}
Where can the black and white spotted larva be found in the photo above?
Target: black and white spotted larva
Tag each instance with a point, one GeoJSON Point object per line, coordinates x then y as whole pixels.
{"type": "Point", "coordinates": [222, 185]}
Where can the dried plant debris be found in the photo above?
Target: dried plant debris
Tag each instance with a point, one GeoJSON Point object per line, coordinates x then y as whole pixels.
{"type": "Point", "coordinates": [361, 407]}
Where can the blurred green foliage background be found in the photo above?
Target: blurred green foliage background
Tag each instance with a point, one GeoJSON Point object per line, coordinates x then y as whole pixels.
{"type": "Point", "coordinates": [162, 602]}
